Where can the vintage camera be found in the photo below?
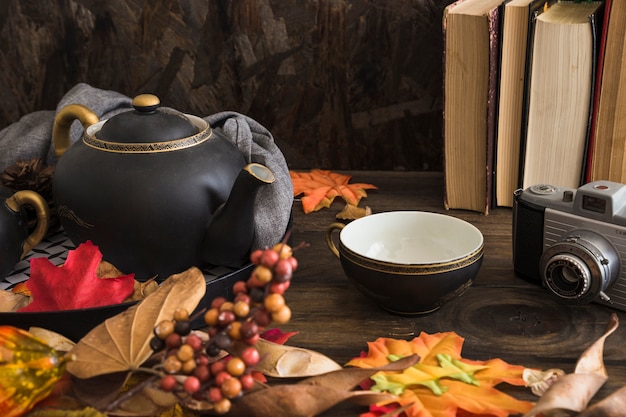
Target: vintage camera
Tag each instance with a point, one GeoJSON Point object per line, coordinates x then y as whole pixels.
{"type": "Point", "coordinates": [573, 241]}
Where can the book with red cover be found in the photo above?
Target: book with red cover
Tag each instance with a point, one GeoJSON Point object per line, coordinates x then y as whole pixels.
{"type": "Point", "coordinates": [607, 147]}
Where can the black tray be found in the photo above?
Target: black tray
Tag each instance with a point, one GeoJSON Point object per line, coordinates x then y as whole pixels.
{"type": "Point", "coordinates": [74, 324]}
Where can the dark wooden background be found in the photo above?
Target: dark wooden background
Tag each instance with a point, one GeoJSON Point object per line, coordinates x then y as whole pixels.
{"type": "Point", "coordinates": [344, 84]}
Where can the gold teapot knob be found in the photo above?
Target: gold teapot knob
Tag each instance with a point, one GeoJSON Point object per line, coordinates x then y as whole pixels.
{"type": "Point", "coordinates": [146, 103]}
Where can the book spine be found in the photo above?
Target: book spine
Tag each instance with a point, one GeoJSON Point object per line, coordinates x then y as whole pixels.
{"type": "Point", "coordinates": [595, 23]}
{"type": "Point", "coordinates": [597, 89]}
{"type": "Point", "coordinates": [444, 28]}
{"type": "Point", "coordinates": [492, 100]}
{"type": "Point", "coordinates": [536, 9]}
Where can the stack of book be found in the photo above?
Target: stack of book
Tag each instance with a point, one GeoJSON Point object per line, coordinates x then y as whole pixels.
{"type": "Point", "coordinates": [533, 90]}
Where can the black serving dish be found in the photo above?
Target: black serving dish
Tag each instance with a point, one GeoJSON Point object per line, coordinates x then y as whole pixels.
{"type": "Point", "coordinates": [74, 324]}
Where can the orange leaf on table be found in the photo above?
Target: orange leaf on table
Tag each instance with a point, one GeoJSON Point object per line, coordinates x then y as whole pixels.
{"type": "Point", "coordinates": [320, 187]}
{"type": "Point", "coordinates": [75, 284]}
{"type": "Point", "coordinates": [443, 383]}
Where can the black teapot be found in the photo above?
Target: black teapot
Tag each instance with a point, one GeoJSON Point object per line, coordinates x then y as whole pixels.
{"type": "Point", "coordinates": [156, 190]}
{"type": "Point", "coordinates": [15, 240]}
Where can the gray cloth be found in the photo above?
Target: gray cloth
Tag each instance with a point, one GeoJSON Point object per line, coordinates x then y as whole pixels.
{"type": "Point", "coordinates": [31, 137]}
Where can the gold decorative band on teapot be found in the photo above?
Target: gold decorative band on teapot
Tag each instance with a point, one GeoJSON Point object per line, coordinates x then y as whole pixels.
{"type": "Point", "coordinates": [148, 147]}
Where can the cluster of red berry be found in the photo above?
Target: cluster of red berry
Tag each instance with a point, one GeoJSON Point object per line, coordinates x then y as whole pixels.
{"type": "Point", "coordinates": [216, 365]}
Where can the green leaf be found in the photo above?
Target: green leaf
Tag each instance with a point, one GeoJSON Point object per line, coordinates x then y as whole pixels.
{"type": "Point", "coordinates": [458, 370]}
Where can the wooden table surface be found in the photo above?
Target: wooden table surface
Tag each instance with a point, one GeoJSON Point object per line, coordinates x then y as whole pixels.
{"type": "Point", "coordinates": [501, 315]}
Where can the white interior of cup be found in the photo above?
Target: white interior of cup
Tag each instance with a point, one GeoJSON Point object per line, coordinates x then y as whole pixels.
{"type": "Point", "coordinates": [411, 237]}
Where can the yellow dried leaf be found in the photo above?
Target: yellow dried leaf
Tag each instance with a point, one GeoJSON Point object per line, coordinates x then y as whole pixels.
{"type": "Point", "coordinates": [122, 342]}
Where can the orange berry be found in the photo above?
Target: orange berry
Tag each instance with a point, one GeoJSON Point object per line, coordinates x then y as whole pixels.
{"type": "Point", "coordinates": [235, 366]}
{"type": "Point", "coordinates": [189, 366]}
{"type": "Point", "coordinates": [211, 316]}
{"type": "Point", "coordinates": [231, 388]}
{"type": "Point", "coordinates": [263, 273]}
{"type": "Point", "coordinates": [185, 353]}
{"type": "Point", "coordinates": [274, 302]}
{"type": "Point", "coordinates": [226, 306]}
{"type": "Point", "coordinates": [222, 406]}
{"type": "Point", "coordinates": [241, 309]}
{"type": "Point", "coordinates": [234, 330]}
{"type": "Point", "coordinates": [172, 365]}
{"type": "Point", "coordinates": [164, 329]}
{"type": "Point", "coordinates": [282, 316]}
{"type": "Point", "coordinates": [284, 250]}
{"type": "Point", "coordinates": [181, 314]}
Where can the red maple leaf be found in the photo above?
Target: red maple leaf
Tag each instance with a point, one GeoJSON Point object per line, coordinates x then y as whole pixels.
{"type": "Point", "coordinates": [75, 284]}
{"type": "Point", "coordinates": [277, 336]}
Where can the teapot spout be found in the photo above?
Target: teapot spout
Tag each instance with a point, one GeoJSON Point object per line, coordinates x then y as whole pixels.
{"type": "Point", "coordinates": [231, 230]}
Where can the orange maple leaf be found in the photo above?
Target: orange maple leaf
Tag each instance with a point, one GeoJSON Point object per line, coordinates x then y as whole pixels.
{"type": "Point", "coordinates": [320, 187]}
{"type": "Point", "coordinates": [443, 383]}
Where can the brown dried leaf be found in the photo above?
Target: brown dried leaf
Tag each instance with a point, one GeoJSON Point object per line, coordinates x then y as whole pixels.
{"type": "Point", "coordinates": [143, 289]}
{"type": "Point", "coordinates": [313, 395]}
{"type": "Point", "coordinates": [571, 393]}
{"type": "Point", "coordinates": [591, 360]}
{"type": "Point", "coordinates": [348, 378]}
{"type": "Point", "coordinates": [11, 301]}
{"type": "Point", "coordinates": [367, 398]}
{"type": "Point", "coordinates": [352, 212]}
{"type": "Point", "coordinates": [147, 402]}
{"type": "Point", "coordinates": [122, 343]}
{"type": "Point", "coordinates": [611, 406]}
{"type": "Point", "coordinates": [539, 381]}
{"type": "Point", "coordinates": [282, 361]}
{"type": "Point", "coordinates": [108, 270]}
{"type": "Point", "coordinates": [55, 340]}
{"type": "Point", "coordinates": [298, 401]}
{"type": "Point", "coordinates": [99, 392]}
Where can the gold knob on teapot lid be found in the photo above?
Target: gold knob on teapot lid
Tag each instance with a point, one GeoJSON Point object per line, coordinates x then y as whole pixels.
{"type": "Point", "coordinates": [146, 102]}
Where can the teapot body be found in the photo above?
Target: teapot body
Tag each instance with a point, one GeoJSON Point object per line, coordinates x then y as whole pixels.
{"type": "Point", "coordinates": [146, 211]}
{"type": "Point", "coordinates": [15, 240]}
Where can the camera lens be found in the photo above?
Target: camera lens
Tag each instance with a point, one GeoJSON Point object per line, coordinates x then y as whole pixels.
{"type": "Point", "coordinates": [580, 267]}
{"type": "Point", "coordinates": [567, 276]}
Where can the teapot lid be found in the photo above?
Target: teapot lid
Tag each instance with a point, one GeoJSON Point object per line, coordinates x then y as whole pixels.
{"type": "Point", "coordinates": [147, 123]}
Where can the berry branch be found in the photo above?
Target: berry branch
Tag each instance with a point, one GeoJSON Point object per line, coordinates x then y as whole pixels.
{"type": "Point", "coordinates": [217, 366]}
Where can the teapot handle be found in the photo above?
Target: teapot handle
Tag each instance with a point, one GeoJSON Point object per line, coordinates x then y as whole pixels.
{"type": "Point", "coordinates": [23, 197]}
{"type": "Point", "coordinates": [63, 122]}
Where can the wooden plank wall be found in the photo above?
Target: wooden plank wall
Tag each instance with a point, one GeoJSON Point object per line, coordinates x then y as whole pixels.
{"type": "Point", "coordinates": [342, 84]}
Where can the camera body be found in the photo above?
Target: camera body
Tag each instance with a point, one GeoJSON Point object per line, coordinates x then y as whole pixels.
{"type": "Point", "coordinates": [573, 241]}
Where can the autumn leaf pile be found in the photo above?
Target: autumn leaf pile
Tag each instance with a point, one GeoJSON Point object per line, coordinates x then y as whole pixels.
{"type": "Point", "coordinates": [442, 383]}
